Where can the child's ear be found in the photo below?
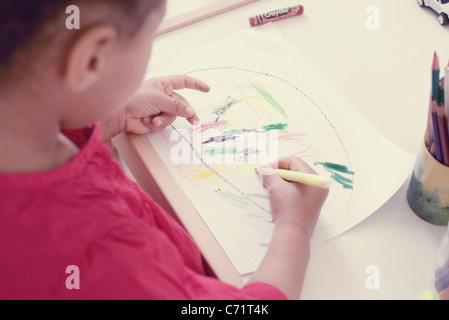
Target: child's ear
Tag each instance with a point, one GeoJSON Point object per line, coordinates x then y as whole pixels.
{"type": "Point", "coordinates": [87, 57]}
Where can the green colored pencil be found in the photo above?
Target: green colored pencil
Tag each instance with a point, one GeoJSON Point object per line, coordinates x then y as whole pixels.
{"type": "Point", "coordinates": [436, 78]}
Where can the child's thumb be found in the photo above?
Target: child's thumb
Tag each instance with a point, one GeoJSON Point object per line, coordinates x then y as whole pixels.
{"type": "Point", "coordinates": [270, 178]}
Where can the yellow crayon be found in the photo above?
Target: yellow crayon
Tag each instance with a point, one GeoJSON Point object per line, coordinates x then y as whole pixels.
{"type": "Point", "coordinates": [304, 178]}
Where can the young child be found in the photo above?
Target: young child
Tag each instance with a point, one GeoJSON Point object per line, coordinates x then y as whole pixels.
{"type": "Point", "coordinates": [64, 201]}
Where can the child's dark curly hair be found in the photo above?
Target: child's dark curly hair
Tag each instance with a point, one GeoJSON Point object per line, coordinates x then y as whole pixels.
{"type": "Point", "coordinates": [25, 21]}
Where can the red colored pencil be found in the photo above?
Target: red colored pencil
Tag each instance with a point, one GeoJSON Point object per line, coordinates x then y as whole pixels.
{"type": "Point", "coordinates": [441, 98]}
{"type": "Point", "coordinates": [428, 136]}
{"type": "Point", "coordinates": [436, 133]}
{"type": "Point", "coordinates": [446, 91]}
{"type": "Point", "coordinates": [444, 135]}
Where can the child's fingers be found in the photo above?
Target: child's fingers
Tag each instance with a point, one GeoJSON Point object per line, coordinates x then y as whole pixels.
{"type": "Point", "coordinates": [189, 112]}
{"type": "Point", "coordinates": [177, 105]}
{"type": "Point", "coordinates": [293, 164]}
{"type": "Point", "coordinates": [171, 108]}
{"type": "Point", "coordinates": [179, 82]}
{"type": "Point", "coordinates": [272, 182]}
{"type": "Point", "coordinates": [194, 120]}
{"type": "Point", "coordinates": [159, 122]}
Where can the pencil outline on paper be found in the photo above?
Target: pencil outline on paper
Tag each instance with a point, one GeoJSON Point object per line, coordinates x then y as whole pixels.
{"type": "Point", "coordinates": [346, 182]}
{"type": "Point", "coordinates": [236, 191]}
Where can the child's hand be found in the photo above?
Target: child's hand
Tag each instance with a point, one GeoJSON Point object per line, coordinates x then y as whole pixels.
{"type": "Point", "coordinates": [294, 204]}
{"type": "Point", "coordinates": [295, 208]}
{"type": "Point", "coordinates": [156, 105]}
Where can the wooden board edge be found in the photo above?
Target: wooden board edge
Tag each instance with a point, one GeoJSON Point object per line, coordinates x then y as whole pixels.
{"type": "Point", "coordinates": [155, 179]}
{"type": "Point", "coordinates": [200, 14]}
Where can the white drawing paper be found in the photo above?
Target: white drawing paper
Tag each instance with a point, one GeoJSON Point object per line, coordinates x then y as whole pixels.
{"type": "Point", "coordinates": [267, 101]}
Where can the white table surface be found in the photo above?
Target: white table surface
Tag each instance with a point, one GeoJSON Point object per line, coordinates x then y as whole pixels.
{"type": "Point", "coordinates": [385, 75]}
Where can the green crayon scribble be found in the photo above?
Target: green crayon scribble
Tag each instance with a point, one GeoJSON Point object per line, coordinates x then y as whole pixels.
{"type": "Point", "coordinates": [220, 150]}
{"type": "Point", "coordinates": [267, 96]}
{"type": "Point", "coordinates": [336, 171]}
{"type": "Point", "coordinates": [276, 126]}
{"type": "Point", "coordinates": [335, 167]}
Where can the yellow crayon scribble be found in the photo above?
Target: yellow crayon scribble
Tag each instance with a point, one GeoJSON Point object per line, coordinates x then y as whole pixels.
{"type": "Point", "coordinates": [257, 110]}
{"type": "Point", "coordinates": [258, 104]}
{"type": "Point", "coordinates": [204, 175]}
{"type": "Point", "coordinates": [246, 171]}
{"type": "Point", "coordinates": [261, 107]}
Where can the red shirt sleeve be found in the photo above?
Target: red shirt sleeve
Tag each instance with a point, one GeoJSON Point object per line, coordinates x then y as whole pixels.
{"type": "Point", "coordinates": [131, 248]}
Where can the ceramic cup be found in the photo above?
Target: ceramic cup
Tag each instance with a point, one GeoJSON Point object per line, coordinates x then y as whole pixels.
{"type": "Point", "coordinates": [428, 191]}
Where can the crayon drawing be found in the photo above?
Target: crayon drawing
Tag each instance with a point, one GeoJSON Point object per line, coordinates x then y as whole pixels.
{"type": "Point", "coordinates": [251, 118]}
{"type": "Point", "coordinates": [267, 101]}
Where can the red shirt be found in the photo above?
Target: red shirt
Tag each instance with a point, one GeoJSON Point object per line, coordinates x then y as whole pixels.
{"type": "Point", "coordinates": [87, 213]}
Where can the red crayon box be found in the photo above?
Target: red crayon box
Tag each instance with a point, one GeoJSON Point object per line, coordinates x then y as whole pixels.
{"type": "Point", "coordinates": [276, 15]}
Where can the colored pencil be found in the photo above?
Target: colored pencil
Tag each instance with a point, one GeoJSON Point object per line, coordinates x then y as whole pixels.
{"type": "Point", "coordinates": [436, 133]}
{"type": "Point", "coordinates": [446, 91]}
{"type": "Point", "coordinates": [436, 77]}
{"type": "Point", "coordinates": [428, 135]}
{"type": "Point", "coordinates": [444, 135]}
